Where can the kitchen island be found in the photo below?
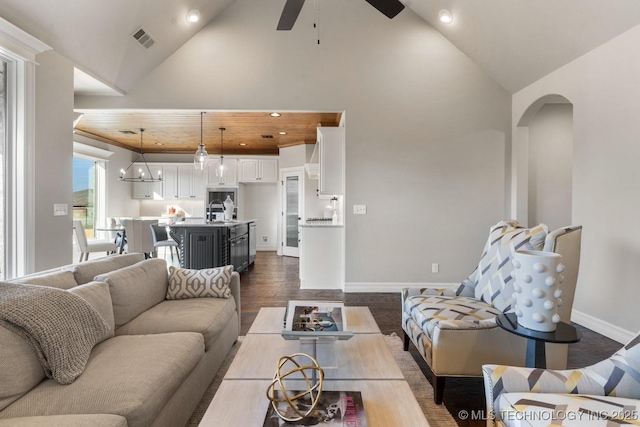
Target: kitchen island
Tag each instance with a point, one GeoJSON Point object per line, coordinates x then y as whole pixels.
{"type": "Point", "coordinates": [208, 245]}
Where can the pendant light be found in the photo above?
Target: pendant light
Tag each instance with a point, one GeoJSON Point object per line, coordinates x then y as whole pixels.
{"type": "Point", "coordinates": [201, 157]}
{"type": "Point", "coordinates": [220, 171]}
{"type": "Point", "coordinates": [142, 177]}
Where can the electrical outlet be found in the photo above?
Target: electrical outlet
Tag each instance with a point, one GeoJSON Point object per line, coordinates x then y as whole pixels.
{"type": "Point", "coordinates": [60, 209]}
{"type": "Point", "coordinates": [265, 239]}
{"type": "Point", "coordinates": [435, 267]}
{"type": "Point", "coordinates": [359, 209]}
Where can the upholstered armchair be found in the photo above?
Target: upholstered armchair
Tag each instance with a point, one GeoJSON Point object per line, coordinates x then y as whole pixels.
{"type": "Point", "coordinates": [605, 394]}
{"type": "Point", "coordinates": [455, 330]}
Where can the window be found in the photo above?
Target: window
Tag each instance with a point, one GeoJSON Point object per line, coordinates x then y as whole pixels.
{"type": "Point", "coordinates": [84, 191]}
{"type": "Point", "coordinates": [3, 142]}
{"type": "Point", "coordinates": [89, 186]}
{"type": "Point", "coordinates": [18, 51]}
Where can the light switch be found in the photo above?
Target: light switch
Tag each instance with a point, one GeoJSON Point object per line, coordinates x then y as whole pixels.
{"type": "Point", "coordinates": [60, 209]}
{"type": "Point", "coordinates": [359, 209]}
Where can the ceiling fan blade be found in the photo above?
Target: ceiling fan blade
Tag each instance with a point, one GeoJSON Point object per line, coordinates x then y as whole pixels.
{"type": "Point", "coordinates": [290, 14]}
{"type": "Point", "coordinates": [390, 8]}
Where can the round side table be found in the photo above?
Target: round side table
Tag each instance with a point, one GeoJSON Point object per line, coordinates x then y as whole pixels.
{"type": "Point", "coordinates": [536, 353]}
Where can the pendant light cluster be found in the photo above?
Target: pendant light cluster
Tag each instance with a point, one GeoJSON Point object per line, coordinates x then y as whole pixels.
{"type": "Point", "coordinates": [142, 174]}
{"type": "Point", "coordinates": [201, 157]}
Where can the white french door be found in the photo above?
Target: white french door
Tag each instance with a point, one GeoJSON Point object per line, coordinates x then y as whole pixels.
{"type": "Point", "coordinates": [291, 212]}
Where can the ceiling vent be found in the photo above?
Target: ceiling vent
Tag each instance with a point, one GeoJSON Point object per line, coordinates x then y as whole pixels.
{"type": "Point", "coordinates": [127, 132]}
{"type": "Point", "coordinates": [267, 136]}
{"type": "Point", "coordinates": [144, 38]}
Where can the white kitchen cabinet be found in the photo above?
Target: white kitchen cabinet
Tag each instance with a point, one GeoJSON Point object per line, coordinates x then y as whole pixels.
{"type": "Point", "coordinates": [230, 175]}
{"type": "Point", "coordinates": [331, 156]}
{"type": "Point", "coordinates": [258, 170]}
{"type": "Point", "coordinates": [170, 177]}
{"type": "Point", "coordinates": [190, 182]}
{"type": "Point", "coordinates": [147, 190]}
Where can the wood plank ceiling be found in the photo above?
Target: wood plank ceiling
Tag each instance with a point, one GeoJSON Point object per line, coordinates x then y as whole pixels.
{"type": "Point", "coordinates": [171, 131]}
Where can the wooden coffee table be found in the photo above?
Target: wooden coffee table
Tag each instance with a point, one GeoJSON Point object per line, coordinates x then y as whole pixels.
{"type": "Point", "coordinates": [363, 363]}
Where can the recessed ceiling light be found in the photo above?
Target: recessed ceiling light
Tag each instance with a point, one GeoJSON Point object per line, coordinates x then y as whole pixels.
{"type": "Point", "coordinates": [243, 144]}
{"type": "Point", "coordinates": [193, 16]}
{"type": "Point", "coordinates": [282, 132]}
{"type": "Point", "coordinates": [159, 143]}
{"type": "Point", "coordinates": [275, 114]}
{"type": "Point", "coordinates": [446, 16]}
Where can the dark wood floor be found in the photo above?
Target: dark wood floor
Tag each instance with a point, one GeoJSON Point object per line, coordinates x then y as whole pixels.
{"type": "Point", "coordinates": [273, 280]}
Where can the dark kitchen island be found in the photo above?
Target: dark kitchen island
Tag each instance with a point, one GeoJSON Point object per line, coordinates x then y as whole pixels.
{"type": "Point", "coordinates": [215, 244]}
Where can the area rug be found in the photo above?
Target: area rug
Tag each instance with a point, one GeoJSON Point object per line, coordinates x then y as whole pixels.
{"type": "Point", "coordinates": [437, 415]}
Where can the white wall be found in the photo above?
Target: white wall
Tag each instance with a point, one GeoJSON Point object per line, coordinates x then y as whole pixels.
{"type": "Point", "coordinates": [260, 202]}
{"type": "Point", "coordinates": [603, 88]}
{"type": "Point", "coordinates": [53, 156]}
{"type": "Point", "coordinates": [425, 140]}
{"type": "Point", "coordinates": [550, 170]}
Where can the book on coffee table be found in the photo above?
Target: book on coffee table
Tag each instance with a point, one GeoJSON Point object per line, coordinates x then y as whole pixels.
{"type": "Point", "coordinates": [315, 319]}
{"type": "Point", "coordinates": [335, 408]}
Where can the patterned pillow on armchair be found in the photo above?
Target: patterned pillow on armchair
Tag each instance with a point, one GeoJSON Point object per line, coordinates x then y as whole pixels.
{"type": "Point", "coordinates": [492, 281]}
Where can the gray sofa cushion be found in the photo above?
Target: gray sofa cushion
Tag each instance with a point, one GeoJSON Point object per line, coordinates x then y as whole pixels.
{"type": "Point", "coordinates": [86, 271]}
{"type": "Point", "coordinates": [93, 420]}
{"type": "Point", "coordinates": [136, 288]}
{"type": "Point", "coordinates": [132, 376]}
{"type": "Point", "coordinates": [98, 296]}
{"type": "Point", "coordinates": [58, 279]}
{"type": "Point", "coordinates": [20, 368]}
{"type": "Point", "coordinates": [207, 316]}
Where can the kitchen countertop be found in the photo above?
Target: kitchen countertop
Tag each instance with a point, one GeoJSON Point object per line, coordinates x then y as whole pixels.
{"type": "Point", "coordinates": [213, 224]}
{"type": "Point", "coordinates": [321, 225]}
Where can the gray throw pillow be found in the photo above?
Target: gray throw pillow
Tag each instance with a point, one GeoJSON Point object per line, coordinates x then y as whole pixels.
{"type": "Point", "coordinates": [208, 282]}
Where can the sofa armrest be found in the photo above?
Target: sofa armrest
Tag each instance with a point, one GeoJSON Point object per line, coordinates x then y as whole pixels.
{"type": "Point", "coordinates": [234, 285]}
{"type": "Point", "coordinates": [70, 420]}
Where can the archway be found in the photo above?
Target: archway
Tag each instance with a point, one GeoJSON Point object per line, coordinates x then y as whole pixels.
{"type": "Point", "coordinates": [542, 163]}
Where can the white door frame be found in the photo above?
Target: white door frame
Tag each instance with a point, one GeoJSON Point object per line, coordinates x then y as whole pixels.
{"type": "Point", "coordinates": [284, 173]}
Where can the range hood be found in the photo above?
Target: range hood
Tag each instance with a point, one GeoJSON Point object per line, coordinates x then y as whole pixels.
{"type": "Point", "coordinates": [313, 167]}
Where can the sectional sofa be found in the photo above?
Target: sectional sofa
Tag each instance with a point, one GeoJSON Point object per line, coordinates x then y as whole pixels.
{"type": "Point", "coordinates": [153, 360]}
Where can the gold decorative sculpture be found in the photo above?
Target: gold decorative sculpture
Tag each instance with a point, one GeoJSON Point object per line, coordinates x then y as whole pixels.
{"type": "Point", "coordinates": [314, 387]}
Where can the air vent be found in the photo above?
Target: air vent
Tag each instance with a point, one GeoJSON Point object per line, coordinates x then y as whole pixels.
{"type": "Point", "coordinates": [144, 38]}
{"type": "Point", "coordinates": [267, 136]}
{"type": "Point", "coordinates": [127, 132]}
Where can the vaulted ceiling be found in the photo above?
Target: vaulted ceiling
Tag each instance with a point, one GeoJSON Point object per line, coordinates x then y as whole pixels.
{"type": "Point", "coordinates": [516, 42]}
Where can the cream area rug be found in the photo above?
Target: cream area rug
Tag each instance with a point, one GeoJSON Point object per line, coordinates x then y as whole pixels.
{"type": "Point", "coordinates": [437, 415]}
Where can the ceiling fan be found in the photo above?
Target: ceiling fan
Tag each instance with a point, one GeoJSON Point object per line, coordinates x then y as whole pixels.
{"type": "Point", "coordinates": [390, 8]}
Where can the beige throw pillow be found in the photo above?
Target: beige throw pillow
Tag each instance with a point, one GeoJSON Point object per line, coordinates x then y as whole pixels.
{"type": "Point", "coordinates": [98, 296]}
{"type": "Point", "coordinates": [208, 282]}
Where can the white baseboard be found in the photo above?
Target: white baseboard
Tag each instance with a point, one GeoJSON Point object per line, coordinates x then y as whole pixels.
{"type": "Point", "coordinates": [609, 330]}
{"type": "Point", "coordinates": [392, 286]}
{"type": "Point", "coordinates": [266, 248]}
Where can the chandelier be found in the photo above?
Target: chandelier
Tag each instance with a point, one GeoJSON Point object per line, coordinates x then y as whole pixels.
{"type": "Point", "coordinates": [142, 177]}
{"type": "Point", "coordinates": [201, 156]}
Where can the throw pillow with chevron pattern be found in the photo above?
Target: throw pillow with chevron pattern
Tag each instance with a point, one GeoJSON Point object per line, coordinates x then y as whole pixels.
{"type": "Point", "coordinates": [205, 283]}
